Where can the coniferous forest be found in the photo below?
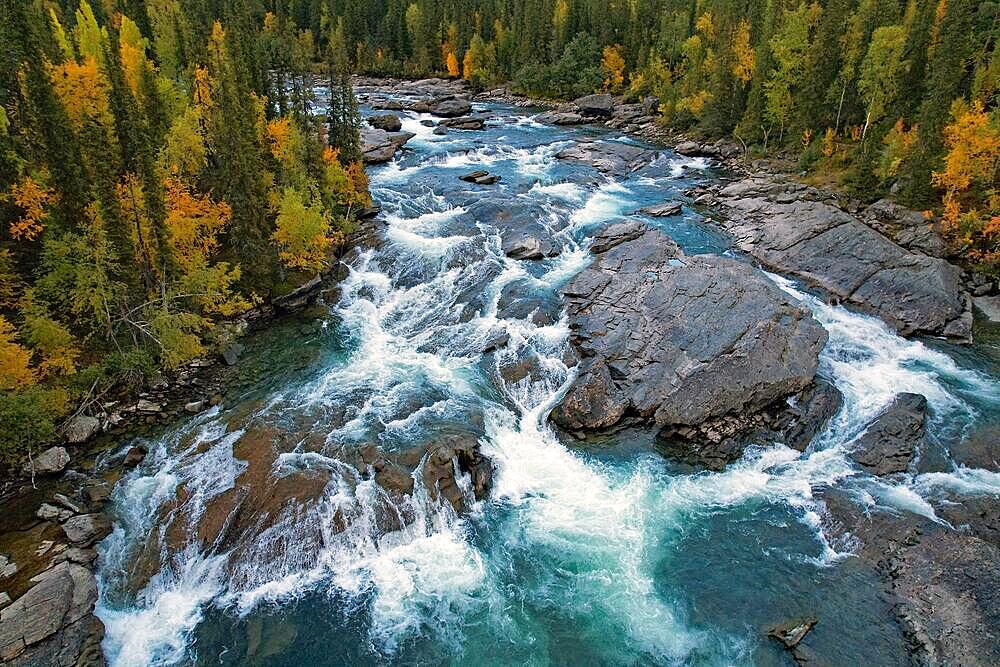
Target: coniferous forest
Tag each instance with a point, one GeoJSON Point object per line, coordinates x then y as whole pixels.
{"type": "Point", "coordinates": [165, 166]}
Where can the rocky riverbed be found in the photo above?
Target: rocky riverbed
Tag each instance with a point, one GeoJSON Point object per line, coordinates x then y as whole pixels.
{"type": "Point", "coordinates": [575, 397]}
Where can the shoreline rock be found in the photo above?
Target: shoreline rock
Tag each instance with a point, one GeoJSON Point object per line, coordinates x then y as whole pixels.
{"type": "Point", "coordinates": [829, 249]}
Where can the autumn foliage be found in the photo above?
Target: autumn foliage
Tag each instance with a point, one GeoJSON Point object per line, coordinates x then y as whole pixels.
{"type": "Point", "coordinates": [969, 181]}
{"type": "Point", "coordinates": [153, 185]}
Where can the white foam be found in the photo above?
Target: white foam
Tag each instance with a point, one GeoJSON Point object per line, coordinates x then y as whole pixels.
{"type": "Point", "coordinates": [608, 201]}
{"type": "Point", "coordinates": [962, 481]}
{"type": "Point", "coordinates": [158, 630]}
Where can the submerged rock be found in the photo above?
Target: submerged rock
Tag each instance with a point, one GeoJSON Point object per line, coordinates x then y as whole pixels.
{"type": "Point", "coordinates": [989, 306]}
{"type": "Point", "coordinates": [790, 633]}
{"type": "Point", "coordinates": [663, 210]}
{"type": "Point", "coordinates": [889, 443]}
{"type": "Point", "coordinates": [678, 340]}
{"type": "Point", "coordinates": [945, 583]}
{"type": "Point", "coordinates": [473, 175]}
{"type": "Point", "coordinates": [832, 250]}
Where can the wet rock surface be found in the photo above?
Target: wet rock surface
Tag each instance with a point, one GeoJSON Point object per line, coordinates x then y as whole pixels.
{"type": "Point", "coordinates": [464, 123]}
{"type": "Point", "coordinates": [678, 340]}
{"type": "Point", "coordinates": [531, 241]}
{"type": "Point", "coordinates": [946, 581]}
{"type": "Point", "coordinates": [830, 249]}
{"type": "Point", "coordinates": [53, 624]}
{"type": "Point", "coordinates": [381, 146]}
{"type": "Point", "coordinates": [890, 442]}
{"type": "Point", "coordinates": [717, 442]}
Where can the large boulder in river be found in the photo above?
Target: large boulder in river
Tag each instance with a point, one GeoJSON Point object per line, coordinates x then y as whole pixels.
{"type": "Point", "coordinates": [889, 443]}
{"type": "Point", "coordinates": [678, 339]}
{"type": "Point", "coordinates": [828, 248]}
{"type": "Point", "coordinates": [381, 146]}
{"type": "Point", "coordinates": [388, 122]}
{"type": "Point", "coordinates": [595, 105]}
{"type": "Point", "coordinates": [560, 118]}
{"type": "Point", "coordinates": [449, 107]}
{"type": "Point", "coordinates": [464, 123]}
{"type": "Point", "coordinates": [450, 457]}
{"type": "Point", "coordinates": [531, 241]}
{"type": "Point", "coordinates": [610, 157]}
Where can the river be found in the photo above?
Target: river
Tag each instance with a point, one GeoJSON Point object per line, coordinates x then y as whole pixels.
{"type": "Point", "coordinates": [597, 553]}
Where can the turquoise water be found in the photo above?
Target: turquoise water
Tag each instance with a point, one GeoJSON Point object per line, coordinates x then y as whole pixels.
{"type": "Point", "coordinates": [604, 553]}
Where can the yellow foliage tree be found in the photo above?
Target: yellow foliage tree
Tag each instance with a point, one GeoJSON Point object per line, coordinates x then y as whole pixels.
{"type": "Point", "coordinates": [613, 64]}
{"type": "Point", "coordinates": [744, 55]}
{"type": "Point", "coordinates": [971, 202]}
{"type": "Point", "coordinates": [32, 198]}
{"type": "Point", "coordinates": [15, 361]}
{"type": "Point", "coordinates": [301, 232]}
{"type": "Point", "coordinates": [194, 222]}
{"type": "Point", "coordinates": [452, 63]}
{"type": "Point", "coordinates": [82, 90]}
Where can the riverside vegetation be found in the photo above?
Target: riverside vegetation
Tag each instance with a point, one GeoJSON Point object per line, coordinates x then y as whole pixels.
{"type": "Point", "coordinates": [162, 170]}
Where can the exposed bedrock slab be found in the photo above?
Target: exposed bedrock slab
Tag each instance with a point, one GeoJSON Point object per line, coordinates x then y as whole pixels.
{"type": "Point", "coordinates": [828, 248]}
{"type": "Point", "coordinates": [678, 340]}
{"type": "Point", "coordinates": [610, 157]}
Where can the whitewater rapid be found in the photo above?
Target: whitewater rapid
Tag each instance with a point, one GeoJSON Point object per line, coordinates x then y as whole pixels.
{"type": "Point", "coordinates": [569, 551]}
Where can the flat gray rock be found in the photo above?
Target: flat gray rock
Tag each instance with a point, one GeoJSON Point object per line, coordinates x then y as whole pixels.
{"type": "Point", "coordinates": [82, 428]}
{"type": "Point", "coordinates": [381, 146]}
{"type": "Point", "coordinates": [560, 118]}
{"type": "Point", "coordinates": [830, 249]}
{"type": "Point", "coordinates": [664, 210]}
{"type": "Point", "coordinates": [608, 156]}
{"type": "Point", "coordinates": [85, 529]}
{"type": "Point", "coordinates": [60, 597]}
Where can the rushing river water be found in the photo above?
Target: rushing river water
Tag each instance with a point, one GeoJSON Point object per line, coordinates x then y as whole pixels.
{"type": "Point", "coordinates": [605, 553]}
